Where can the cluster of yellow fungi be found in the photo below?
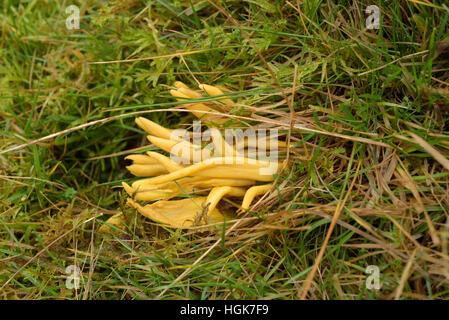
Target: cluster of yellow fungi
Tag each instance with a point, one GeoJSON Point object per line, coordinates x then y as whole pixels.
{"type": "Point", "coordinates": [200, 182]}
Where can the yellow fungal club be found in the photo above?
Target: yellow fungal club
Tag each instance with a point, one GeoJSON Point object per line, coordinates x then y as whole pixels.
{"type": "Point", "coordinates": [183, 190]}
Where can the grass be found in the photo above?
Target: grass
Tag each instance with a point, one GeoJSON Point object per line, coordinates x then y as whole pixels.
{"type": "Point", "coordinates": [373, 153]}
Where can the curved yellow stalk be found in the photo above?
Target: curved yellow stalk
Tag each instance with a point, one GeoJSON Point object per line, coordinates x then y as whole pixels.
{"type": "Point", "coordinates": [223, 170]}
{"type": "Point", "coordinates": [141, 159]}
{"type": "Point", "coordinates": [146, 170]}
{"type": "Point", "coordinates": [187, 171]}
{"type": "Point", "coordinates": [252, 193]}
{"type": "Point", "coordinates": [153, 128]}
{"type": "Point", "coordinates": [190, 93]}
{"type": "Point", "coordinates": [170, 165]}
{"type": "Point", "coordinates": [214, 91]}
{"type": "Point", "coordinates": [179, 84]}
{"type": "Point", "coordinates": [164, 144]}
{"type": "Point", "coordinates": [197, 107]}
{"type": "Point", "coordinates": [217, 193]}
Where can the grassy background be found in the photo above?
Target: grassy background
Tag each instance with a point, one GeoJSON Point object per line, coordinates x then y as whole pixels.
{"type": "Point", "coordinates": [366, 93]}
